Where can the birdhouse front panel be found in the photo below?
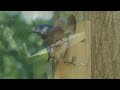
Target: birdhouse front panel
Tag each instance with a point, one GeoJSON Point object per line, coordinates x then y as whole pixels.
{"type": "Point", "coordinates": [77, 60]}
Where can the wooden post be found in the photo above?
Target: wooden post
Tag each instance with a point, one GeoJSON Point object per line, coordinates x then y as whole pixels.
{"type": "Point", "coordinates": [105, 38]}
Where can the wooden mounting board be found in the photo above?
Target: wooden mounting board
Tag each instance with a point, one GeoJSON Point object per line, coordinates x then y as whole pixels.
{"type": "Point", "coordinates": [82, 52]}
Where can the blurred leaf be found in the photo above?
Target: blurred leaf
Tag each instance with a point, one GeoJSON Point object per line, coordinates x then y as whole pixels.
{"type": "Point", "coordinates": [17, 42]}
{"type": "Point", "coordinates": [42, 59]}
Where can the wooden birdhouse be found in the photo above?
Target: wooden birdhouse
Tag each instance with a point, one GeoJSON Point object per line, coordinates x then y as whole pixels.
{"type": "Point", "coordinates": [77, 60]}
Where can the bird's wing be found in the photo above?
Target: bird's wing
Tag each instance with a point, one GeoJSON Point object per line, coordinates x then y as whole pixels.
{"type": "Point", "coordinates": [74, 39]}
{"type": "Point", "coordinates": [55, 35]}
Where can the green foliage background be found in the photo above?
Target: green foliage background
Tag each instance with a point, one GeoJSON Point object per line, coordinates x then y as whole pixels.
{"type": "Point", "coordinates": [17, 43]}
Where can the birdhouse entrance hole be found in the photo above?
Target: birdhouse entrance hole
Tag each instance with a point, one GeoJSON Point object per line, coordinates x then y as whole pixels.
{"type": "Point", "coordinates": [72, 23]}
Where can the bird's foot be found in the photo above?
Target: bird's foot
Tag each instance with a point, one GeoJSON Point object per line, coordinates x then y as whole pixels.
{"type": "Point", "coordinates": [71, 62]}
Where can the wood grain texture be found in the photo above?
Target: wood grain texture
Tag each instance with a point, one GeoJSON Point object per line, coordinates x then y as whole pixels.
{"type": "Point", "coordinates": [105, 44]}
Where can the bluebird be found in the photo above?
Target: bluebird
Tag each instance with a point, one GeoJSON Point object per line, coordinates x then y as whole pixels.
{"type": "Point", "coordinates": [50, 34]}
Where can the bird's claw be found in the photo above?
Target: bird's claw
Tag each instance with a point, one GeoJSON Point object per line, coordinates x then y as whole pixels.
{"type": "Point", "coordinates": [71, 62]}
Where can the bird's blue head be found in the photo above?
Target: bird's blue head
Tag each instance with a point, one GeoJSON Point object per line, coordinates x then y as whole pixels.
{"type": "Point", "coordinates": [43, 29]}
